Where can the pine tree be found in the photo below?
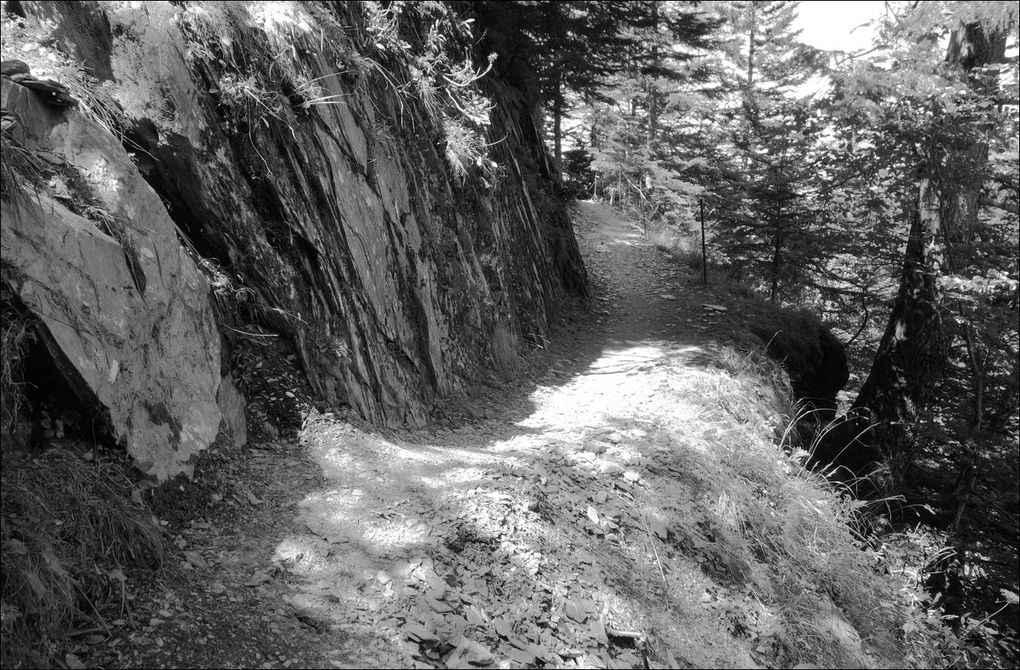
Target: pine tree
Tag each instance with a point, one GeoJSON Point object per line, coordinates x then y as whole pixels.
{"type": "Point", "coordinates": [571, 47]}
{"type": "Point", "coordinates": [771, 234]}
{"type": "Point", "coordinates": [633, 135]}
{"type": "Point", "coordinates": [943, 385]}
{"type": "Point", "coordinates": [766, 229]}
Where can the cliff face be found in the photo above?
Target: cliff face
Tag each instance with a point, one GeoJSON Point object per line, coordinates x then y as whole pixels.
{"type": "Point", "coordinates": [329, 186]}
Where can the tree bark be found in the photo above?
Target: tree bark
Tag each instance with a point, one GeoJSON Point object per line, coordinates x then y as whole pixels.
{"type": "Point", "coordinates": [749, 93]}
{"type": "Point", "coordinates": [913, 354]}
{"type": "Point", "coordinates": [653, 93]}
{"type": "Point", "coordinates": [558, 123]}
{"type": "Point", "coordinates": [750, 48]}
{"type": "Point", "coordinates": [911, 358]}
{"type": "Point", "coordinates": [777, 250]}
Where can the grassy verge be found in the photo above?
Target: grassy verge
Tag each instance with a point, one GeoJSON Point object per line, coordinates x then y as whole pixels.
{"type": "Point", "coordinates": [70, 535]}
{"type": "Point", "coordinates": [824, 589]}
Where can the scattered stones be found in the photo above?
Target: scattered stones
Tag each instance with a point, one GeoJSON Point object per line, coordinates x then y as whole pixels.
{"type": "Point", "coordinates": [195, 559]}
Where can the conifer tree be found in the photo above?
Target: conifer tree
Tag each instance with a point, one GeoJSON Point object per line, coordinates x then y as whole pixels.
{"type": "Point", "coordinates": [571, 47]}
{"type": "Point", "coordinates": [767, 228]}
{"type": "Point", "coordinates": [633, 134]}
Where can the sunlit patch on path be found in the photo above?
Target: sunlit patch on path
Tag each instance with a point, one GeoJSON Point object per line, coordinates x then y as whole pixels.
{"type": "Point", "coordinates": [539, 536]}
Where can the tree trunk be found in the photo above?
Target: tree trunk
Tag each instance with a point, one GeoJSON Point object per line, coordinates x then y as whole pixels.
{"type": "Point", "coordinates": [913, 354]}
{"type": "Point", "coordinates": [653, 93]}
{"type": "Point", "coordinates": [558, 123]}
{"type": "Point", "coordinates": [777, 251]}
{"type": "Point", "coordinates": [911, 358]}
{"type": "Point", "coordinates": [750, 49]}
{"type": "Point", "coordinates": [749, 93]}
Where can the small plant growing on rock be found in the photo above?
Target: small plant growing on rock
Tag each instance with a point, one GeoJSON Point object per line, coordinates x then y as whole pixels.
{"type": "Point", "coordinates": [441, 78]}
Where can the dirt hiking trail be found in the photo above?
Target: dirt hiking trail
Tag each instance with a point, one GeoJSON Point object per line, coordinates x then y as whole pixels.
{"type": "Point", "coordinates": [567, 519]}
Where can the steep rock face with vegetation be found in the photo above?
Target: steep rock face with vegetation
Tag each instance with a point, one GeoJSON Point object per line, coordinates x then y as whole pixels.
{"type": "Point", "coordinates": [339, 177]}
{"type": "Point", "coordinates": [359, 216]}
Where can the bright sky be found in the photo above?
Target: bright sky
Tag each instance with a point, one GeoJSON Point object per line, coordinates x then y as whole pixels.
{"type": "Point", "coordinates": [835, 26]}
{"type": "Point", "coordinates": [831, 25]}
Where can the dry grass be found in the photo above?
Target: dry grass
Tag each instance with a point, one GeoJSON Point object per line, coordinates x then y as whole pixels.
{"type": "Point", "coordinates": [70, 530]}
{"type": "Point", "coordinates": [22, 43]}
{"type": "Point", "coordinates": [439, 79]}
{"type": "Point", "coordinates": [804, 537]}
{"type": "Point", "coordinates": [22, 174]}
{"type": "Point", "coordinates": [467, 152]}
{"type": "Point", "coordinates": [16, 334]}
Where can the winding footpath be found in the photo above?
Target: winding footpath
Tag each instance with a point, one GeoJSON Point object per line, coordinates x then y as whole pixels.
{"type": "Point", "coordinates": [559, 521]}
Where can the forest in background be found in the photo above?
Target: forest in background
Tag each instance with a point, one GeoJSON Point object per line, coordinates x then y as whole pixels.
{"type": "Point", "coordinates": [887, 204]}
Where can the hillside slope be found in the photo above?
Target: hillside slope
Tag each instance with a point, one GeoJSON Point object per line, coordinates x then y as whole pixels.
{"type": "Point", "coordinates": [626, 505]}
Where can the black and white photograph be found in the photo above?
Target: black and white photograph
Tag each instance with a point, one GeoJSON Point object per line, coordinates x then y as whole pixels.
{"type": "Point", "coordinates": [495, 334]}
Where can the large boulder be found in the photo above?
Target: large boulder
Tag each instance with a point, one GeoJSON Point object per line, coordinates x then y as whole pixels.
{"type": "Point", "coordinates": [813, 357]}
{"type": "Point", "coordinates": [92, 252]}
{"type": "Point", "coordinates": [816, 362]}
{"type": "Point", "coordinates": [846, 451]}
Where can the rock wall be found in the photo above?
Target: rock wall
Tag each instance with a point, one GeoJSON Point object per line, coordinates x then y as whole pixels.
{"type": "Point", "coordinates": [327, 193]}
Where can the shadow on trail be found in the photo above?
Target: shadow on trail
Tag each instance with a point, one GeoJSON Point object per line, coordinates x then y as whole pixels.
{"type": "Point", "coordinates": [407, 517]}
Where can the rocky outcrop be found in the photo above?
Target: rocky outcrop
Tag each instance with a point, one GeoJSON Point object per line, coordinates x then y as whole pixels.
{"type": "Point", "coordinates": [817, 365]}
{"type": "Point", "coordinates": [94, 255]}
{"type": "Point", "coordinates": [404, 237]}
{"type": "Point", "coordinates": [332, 201]}
{"type": "Point", "coordinates": [813, 357]}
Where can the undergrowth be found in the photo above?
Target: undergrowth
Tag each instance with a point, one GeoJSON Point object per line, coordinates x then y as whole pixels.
{"type": "Point", "coordinates": [22, 173]}
{"type": "Point", "coordinates": [830, 555]}
{"type": "Point", "coordinates": [934, 629]}
{"type": "Point", "coordinates": [70, 534]}
{"type": "Point", "coordinates": [22, 42]}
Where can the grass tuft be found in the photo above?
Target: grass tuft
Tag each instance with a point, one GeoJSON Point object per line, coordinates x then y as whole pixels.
{"type": "Point", "coordinates": [70, 530]}
{"type": "Point", "coordinates": [22, 173]}
{"type": "Point", "coordinates": [17, 333]}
